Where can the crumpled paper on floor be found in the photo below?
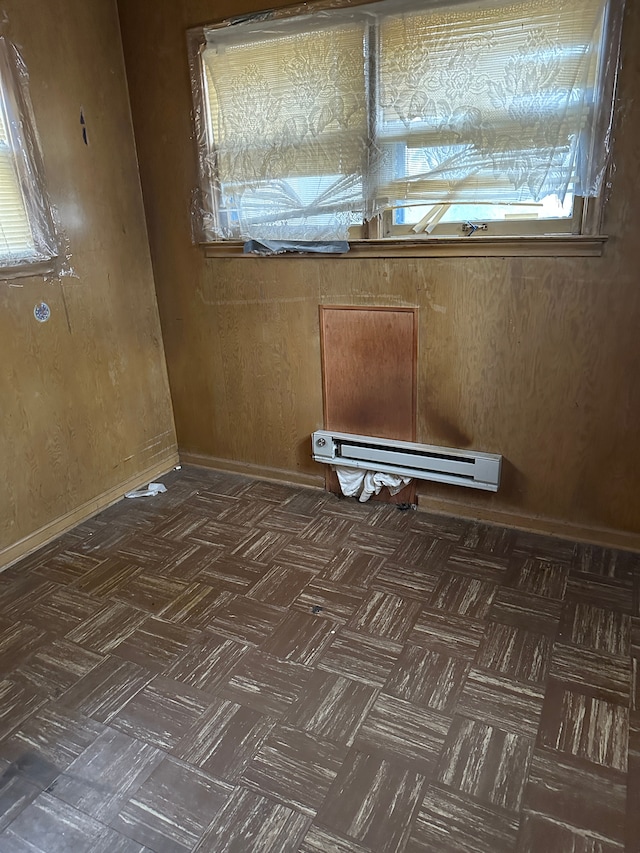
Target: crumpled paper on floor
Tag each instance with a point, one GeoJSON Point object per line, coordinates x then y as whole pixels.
{"type": "Point", "coordinates": [151, 491]}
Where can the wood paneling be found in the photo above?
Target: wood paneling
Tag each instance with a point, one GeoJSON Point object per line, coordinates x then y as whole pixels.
{"type": "Point", "coordinates": [534, 358]}
{"type": "Point", "coordinates": [369, 370]}
{"type": "Point", "coordinates": [85, 401]}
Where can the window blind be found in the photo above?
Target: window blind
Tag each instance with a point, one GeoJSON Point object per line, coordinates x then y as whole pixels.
{"type": "Point", "coordinates": [16, 238]}
{"type": "Point", "coordinates": [314, 123]}
{"type": "Point", "coordinates": [489, 102]}
{"type": "Point", "coordinates": [288, 117]}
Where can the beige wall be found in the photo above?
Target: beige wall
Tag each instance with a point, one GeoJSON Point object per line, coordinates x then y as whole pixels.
{"type": "Point", "coordinates": [532, 358]}
{"type": "Point", "coordinates": [84, 397]}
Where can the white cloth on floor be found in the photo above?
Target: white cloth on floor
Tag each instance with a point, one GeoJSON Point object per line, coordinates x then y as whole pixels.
{"type": "Point", "coordinates": [355, 481]}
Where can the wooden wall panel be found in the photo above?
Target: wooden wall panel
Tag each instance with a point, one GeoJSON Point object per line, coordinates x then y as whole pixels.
{"type": "Point", "coordinates": [369, 370]}
{"type": "Point", "coordinates": [532, 358]}
{"type": "Point", "coordinates": [85, 399]}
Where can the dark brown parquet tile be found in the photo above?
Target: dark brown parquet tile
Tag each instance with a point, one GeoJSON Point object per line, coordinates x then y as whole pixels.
{"type": "Point", "coordinates": [501, 702]}
{"type": "Point", "coordinates": [462, 595]}
{"type": "Point", "coordinates": [523, 610]}
{"type": "Point", "coordinates": [384, 544]}
{"type": "Point", "coordinates": [486, 763]}
{"type": "Point", "coordinates": [294, 768]}
{"type": "Point", "coordinates": [602, 592]}
{"type": "Point", "coordinates": [449, 822]}
{"type": "Point", "coordinates": [172, 808]}
{"type": "Point", "coordinates": [231, 574]}
{"type": "Point", "coordinates": [420, 551]}
{"type": "Point", "coordinates": [148, 592]}
{"type": "Point", "coordinates": [373, 801]}
{"type": "Point", "coordinates": [56, 667]}
{"type": "Point", "coordinates": [537, 833]}
{"type": "Point", "coordinates": [408, 582]}
{"type": "Point", "coordinates": [51, 825]}
{"type": "Point", "coordinates": [67, 567]}
{"type": "Point", "coordinates": [572, 792]}
{"type": "Point", "coordinates": [335, 600]}
{"type": "Point", "coordinates": [106, 689]}
{"type": "Point", "coordinates": [486, 567]}
{"type": "Point", "coordinates": [448, 633]}
{"type": "Point", "coordinates": [592, 672]}
{"type": "Point", "coordinates": [249, 821]}
{"type": "Point", "coordinates": [17, 642]}
{"type": "Point", "coordinates": [585, 726]}
{"type": "Point", "coordinates": [103, 777]}
{"type": "Point", "coordinates": [487, 539]}
{"type": "Point", "coordinates": [539, 577]}
{"type": "Point", "coordinates": [327, 531]}
{"type": "Point", "coordinates": [208, 663]}
{"type": "Point", "coordinates": [404, 733]}
{"type": "Point", "coordinates": [332, 707]}
{"type": "Point", "coordinates": [162, 712]}
{"type": "Point", "coordinates": [62, 610]}
{"type": "Point", "coordinates": [515, 652]}
{"type": "Point", "coordinates": [47, 743]}
{"type": "Point", "coordinates": [107, 628]}
{"type": "Point", "coordinates": [427, 679]}
{"type": "Point", "coordinates": [18, 700]}
{"type": "Point", "coordinates": [302, 554]}
{"type": "Point", "coordinates": [221, 534]}
{"type": "Point", "coordinates": [225, 739]}
{"type": "Point", "coordinates": [361, 657]}
{"type": "Point", "coordinates": [280, 586]}
{"type": "Point", "coordinates": [353, 568]}
{"type": "Point", "coordinates": [266, 684]}
{"type": "Point", "coordinates": [16, 793]}
{"type": "Point", "coordinates": [247, 621]}
{"type": "Point", "coordinates": [300, 638]}
{"type": "Point", "coordinates": [385, 615]}
{"type": "Point", "coordinates": [155, 644]}
{"type": "Point", "coordinates": [196, 605]}
{"type": "Point", "coordinates": [320, 840]}
{"type": "Point", "coordinates": [102, 581]}
{"type": "Point", "coordinates": [237, 665]}
{"type": "Point", "coordinates": [261, 546]}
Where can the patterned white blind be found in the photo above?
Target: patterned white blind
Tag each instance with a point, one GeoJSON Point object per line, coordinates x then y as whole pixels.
{"type": "Point", "coordinates": [316, 122]}
{"type": "Point", "coordinates": [16, 238]}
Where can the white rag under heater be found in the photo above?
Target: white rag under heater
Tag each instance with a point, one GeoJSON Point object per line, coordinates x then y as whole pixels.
{"type": "Point", "coordinates": [470, 468]}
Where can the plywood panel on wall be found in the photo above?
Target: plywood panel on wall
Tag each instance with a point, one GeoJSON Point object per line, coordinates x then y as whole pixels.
{"type": "Point", "coordinates": [85, 398]}
{"type": "Point", "coordinates": [369, 370]}
{"type": "Point", "coordinates": [532, 358]}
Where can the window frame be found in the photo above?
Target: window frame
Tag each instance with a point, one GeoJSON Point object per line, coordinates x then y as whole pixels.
{"type": "Point", "coordinates": [24, 151]}
{"type": "Point", "coordinates": [378, 237]}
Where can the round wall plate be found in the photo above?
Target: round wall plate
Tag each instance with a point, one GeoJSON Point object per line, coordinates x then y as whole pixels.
{"type": "Point", "coordinates": [42, 312]}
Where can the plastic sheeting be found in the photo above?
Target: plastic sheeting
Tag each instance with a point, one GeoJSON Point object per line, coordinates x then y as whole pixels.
{"type": "Point", "coordinates": [281, 247]}
{"type": "Point", "coordinates": [310, 123]}
{"type": "Point", "coordinates": [31, 240]}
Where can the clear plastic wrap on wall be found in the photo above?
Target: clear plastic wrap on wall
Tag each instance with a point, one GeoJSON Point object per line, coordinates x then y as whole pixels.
{"type": "Point", "coordinates": [311, 123]}
{"type": "Point", "coordinates": [31, 241]}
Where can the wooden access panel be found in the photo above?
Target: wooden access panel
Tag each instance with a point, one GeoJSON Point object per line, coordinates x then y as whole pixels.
{"type": "Point", "coordinates": [369, 365]}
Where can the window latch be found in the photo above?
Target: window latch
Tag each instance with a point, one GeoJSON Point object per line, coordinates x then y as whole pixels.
{"type": "Point", "coordinates": [470, 228]}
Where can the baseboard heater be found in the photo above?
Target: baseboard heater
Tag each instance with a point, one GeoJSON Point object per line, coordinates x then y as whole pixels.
{"type": "Point", "coordinates": [422, 461]}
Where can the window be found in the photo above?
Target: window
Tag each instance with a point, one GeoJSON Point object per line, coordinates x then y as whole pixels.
{"type": "Point", "coordinates": [405, 119]}
{"type": "Point", "coordinates": [27, 237]}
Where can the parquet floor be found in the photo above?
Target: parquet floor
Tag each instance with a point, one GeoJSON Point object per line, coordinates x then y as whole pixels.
{"type": "Point", "coordinates": [242, 666]}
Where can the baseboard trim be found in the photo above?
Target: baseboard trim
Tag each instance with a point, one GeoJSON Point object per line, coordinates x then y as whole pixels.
{"type": "Point", "coordinates": [603, 536]}
{"type": "Point", "coordinates": [46, 534]}
{"type": "Point", "coordinates": [260, 472]}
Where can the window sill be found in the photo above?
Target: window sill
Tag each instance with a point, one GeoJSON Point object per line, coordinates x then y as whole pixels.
{"type": "Point", "coordinates": [27, 270]}
{"type": "Point", "coordinates": [442, 247]}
